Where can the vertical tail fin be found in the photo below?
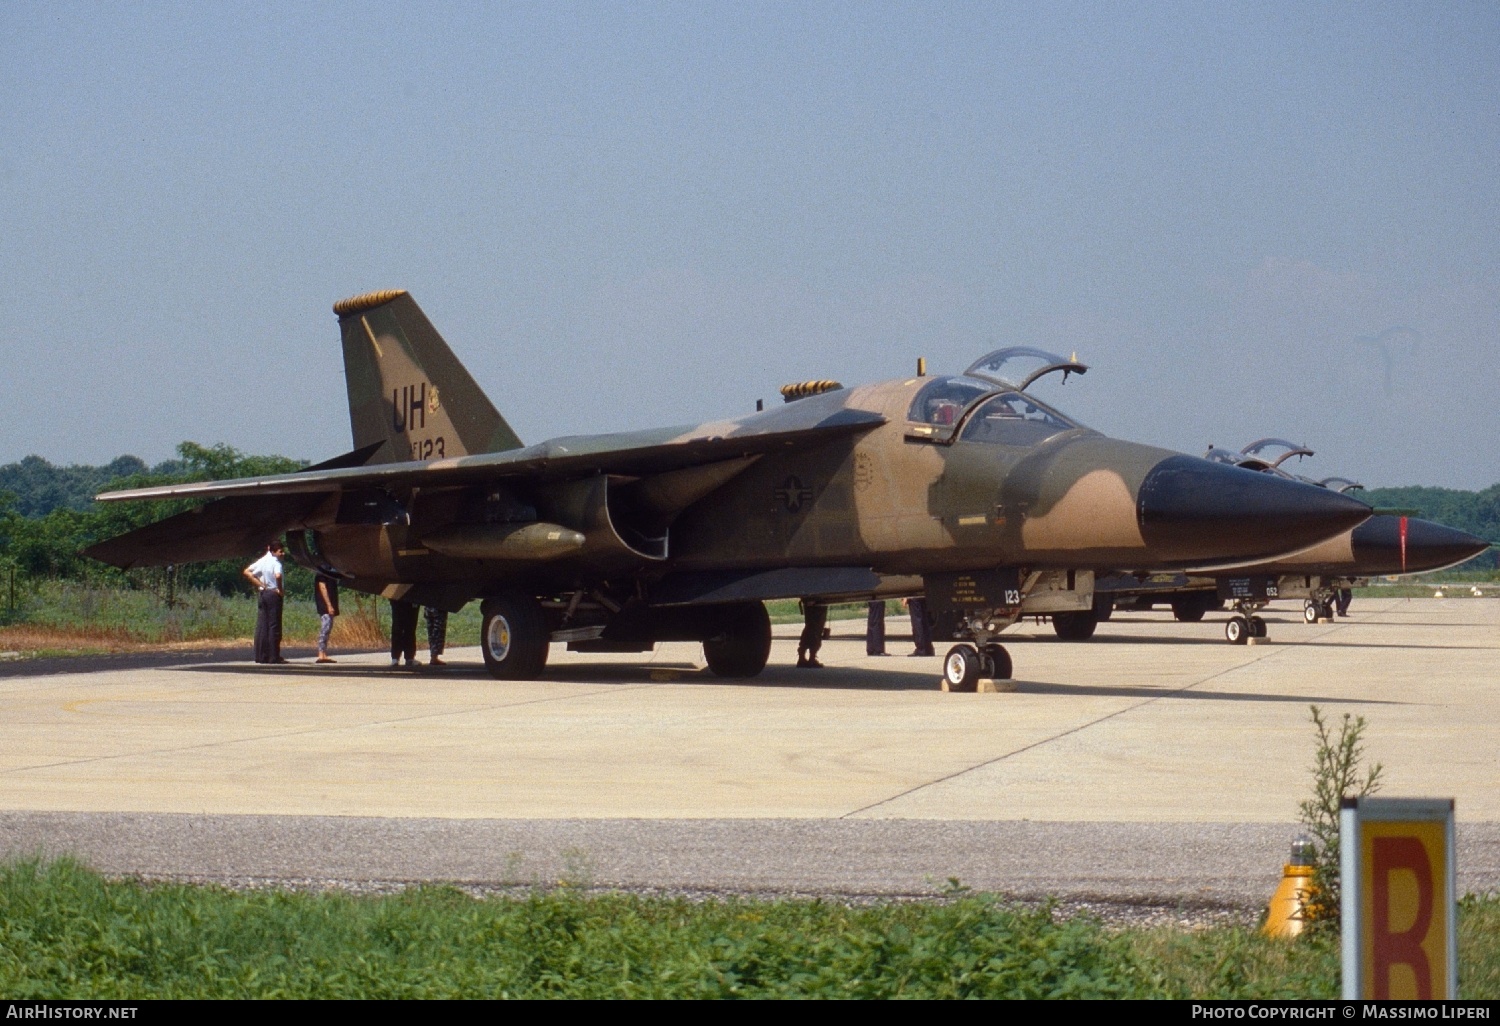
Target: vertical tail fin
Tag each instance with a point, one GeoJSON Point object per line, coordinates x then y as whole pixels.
{"type": "Point", "coordinates": [407, 389]}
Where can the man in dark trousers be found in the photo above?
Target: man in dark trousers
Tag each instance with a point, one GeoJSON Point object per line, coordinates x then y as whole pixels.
{"type": "Point", "coordinates": [1342, 600]}
{"type": "Point", "coordinates": [875, 629]}
{"type": "Point", "coordinates": [265, 576]}
{"type": "Point", "coordinates": [403, 633]}
{"type": "Point", "coordinates": [921, 630]}
{"type": "Point", "coordinates": [814, 618]}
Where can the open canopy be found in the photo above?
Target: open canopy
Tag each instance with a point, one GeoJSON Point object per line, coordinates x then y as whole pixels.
{"type": "Point", "coordinates": [1018, 366]}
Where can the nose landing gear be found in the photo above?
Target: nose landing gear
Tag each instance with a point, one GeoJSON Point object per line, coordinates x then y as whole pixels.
{"type": "Point", "coordinates": [964, 665]}
{"type": "Point", "coordinates": [1318, 608]}
{"type": "Point", "coordinates": [1244, 625]}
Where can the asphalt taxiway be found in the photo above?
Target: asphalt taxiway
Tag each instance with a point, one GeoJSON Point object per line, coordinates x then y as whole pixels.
{"type": "Point", "coordinates": [1155, 762]}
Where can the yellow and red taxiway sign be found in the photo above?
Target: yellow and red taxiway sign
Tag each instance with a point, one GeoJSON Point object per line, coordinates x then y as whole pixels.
{"type": "Point", "coordinates": [1400, 931]}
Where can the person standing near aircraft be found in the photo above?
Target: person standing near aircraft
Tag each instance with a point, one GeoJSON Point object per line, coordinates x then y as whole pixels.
{"type": "Point", "coordinates": [403, 633]}
{"type": "Point", "coordinates": [921, 630]}
{"type": "Point", "coordinates": [437, 633]}
{"type": "Point", "coordinates": [1342, 600]}
{"type": "Point", "coordinates": [875, 629]}
{"type": "Point", "coordinates": [265, 575]}
{"type": "Point", "coordinates": [814, 618]}
{"type": "Point", "coordinates": [326, 595]}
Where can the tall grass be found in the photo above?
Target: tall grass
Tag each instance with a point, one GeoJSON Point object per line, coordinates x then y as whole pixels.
{"type": "Point", "coordinates": [789, 611]}
{"type": "Point", "coordinates": [65, 615]}
{"type": "Point", "coordinates": [358, 624]}
{"type": "Point", "coordinates": [66, 932]}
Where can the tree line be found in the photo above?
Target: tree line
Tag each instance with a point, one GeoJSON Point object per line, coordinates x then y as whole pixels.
{"type": "Point", "coordinates": [48, 515]}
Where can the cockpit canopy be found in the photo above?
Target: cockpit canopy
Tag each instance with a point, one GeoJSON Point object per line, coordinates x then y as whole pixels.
{"type": "Point", "coordinates": [1018, 366]}
{"type": "Point", "coordinates": [1262, 455]}
{"type": "Point", "coordinates": [972, 408]}
{"type": "Point", "coordinates": [1012, 418]}
{"type": "Point", "coordinates": [1267, 455]}
{"type": "Point", "coordinates": [1265, 449]}
{"type": "Point", "coordinates": [942, 401]}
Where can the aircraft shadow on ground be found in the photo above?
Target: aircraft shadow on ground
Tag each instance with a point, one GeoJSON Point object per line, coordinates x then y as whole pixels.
{"type": "Point", "coordinates": [1414, 623]}
{"type": "Point", "coordinates": [1126, 639]}
{"type": "Point", "coordinates": [1217, 638]}
{"type": "Point", "coordinates": [206, 659]}
{"type": "Point", "coordinates": [598, 673]}
{"type": "Point", "coordinates": [830, 677]}
{"type": "Point", "coordinates": [1404, 648]}
{"type": "Point", "coordinates": [1024, 687]}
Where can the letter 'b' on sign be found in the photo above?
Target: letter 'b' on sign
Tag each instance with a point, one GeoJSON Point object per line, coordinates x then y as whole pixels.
{"type": "Point", "coordinates": [1398, 899]}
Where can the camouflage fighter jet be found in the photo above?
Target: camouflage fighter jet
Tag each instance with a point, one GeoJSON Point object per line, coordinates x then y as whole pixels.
{"type": "Point", "coordinates": [963, 487]}
{"type": "Point", "coordinates": [1389, 543]}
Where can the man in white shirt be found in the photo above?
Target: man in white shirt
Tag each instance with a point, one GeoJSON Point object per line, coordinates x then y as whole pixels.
{"type": "Point", "coordinates": [265, 575]}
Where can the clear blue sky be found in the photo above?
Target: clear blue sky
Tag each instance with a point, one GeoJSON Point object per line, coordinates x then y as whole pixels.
{"type": "Point", "coordinates": [1252, 219]}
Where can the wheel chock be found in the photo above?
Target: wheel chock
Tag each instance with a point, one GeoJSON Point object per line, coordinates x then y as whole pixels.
{"type": "Point", "coordinates": [983, 686]}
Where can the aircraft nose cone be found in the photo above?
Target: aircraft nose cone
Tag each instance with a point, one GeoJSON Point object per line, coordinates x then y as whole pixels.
{"type": "Point", "coordinates": [1429, 546]}
{"type": "Point", "coordinates": [1210, 513]}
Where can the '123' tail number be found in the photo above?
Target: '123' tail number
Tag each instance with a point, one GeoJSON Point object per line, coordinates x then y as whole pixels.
{"type": "Point", "coordinates": [428, 448]}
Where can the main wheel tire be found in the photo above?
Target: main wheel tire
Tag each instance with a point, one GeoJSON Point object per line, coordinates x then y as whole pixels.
{"type": "Point", "coordinates": [998, 662]}
{"type": "Point", "coordinates": [743, 642]}
{"type": "Point", "coordinates": [1188, 609]}
{"type": "Point", "coordinates": [513, 637]}
{"type": "Point", "coordinates": [1075, 626]}
{"type": "Point", "coordinates": [1257, 627]}
{"type": "Point", "coordinates": [1236, 630]}
{"type": "Point", "coordinates": [1104, 606]}
{"type": "Point", "coordinates": [961, 668]}
{"type": "Point", "coordinates": [1310, 611]}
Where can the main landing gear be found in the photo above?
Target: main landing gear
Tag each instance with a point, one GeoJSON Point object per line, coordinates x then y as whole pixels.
{"type": "Point", "coordinates": [517, 632]}
{"type": "Point", "coordinates": [742, 642]}
{"type": "Point", "coordinates": [1080, 625]}
{"type": "Point", "coordinates": [514, 636]}
{"type": "Point", "coordinates": [1190, 607]}
{"type": "Point", "coordinates": [1244, 624]}
{"type": "Point", "coordinates": [1318, 608]}
{"type": "Point", "coordinates": [964, 665]}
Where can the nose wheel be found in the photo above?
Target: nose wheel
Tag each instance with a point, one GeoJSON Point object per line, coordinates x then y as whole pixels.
{"type": "Point", "coordinates": [998, 659]}
{"type": "Point", "coordinates": [1315, 609]}
{"type": "Point", "coordinates": [1240, 629]}
{"type": "Point", "coordinates": [964, 665]}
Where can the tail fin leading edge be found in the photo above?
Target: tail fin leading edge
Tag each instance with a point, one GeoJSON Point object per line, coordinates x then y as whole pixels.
{"type": "Point", "coordinates": [407, 389]}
